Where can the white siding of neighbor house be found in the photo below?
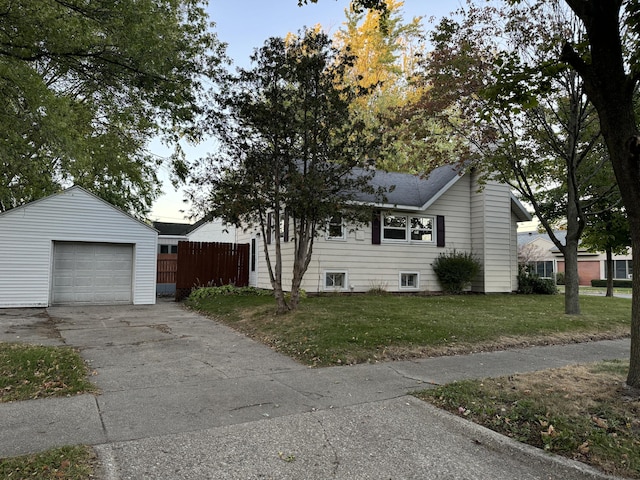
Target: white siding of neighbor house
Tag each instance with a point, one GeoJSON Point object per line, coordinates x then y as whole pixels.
{"type": "Point", "coordinates": [213, 231]}
{"type": "Point", "coordinates": [492, 232]}
{"type": "Point", "coordinates": [27, 235]}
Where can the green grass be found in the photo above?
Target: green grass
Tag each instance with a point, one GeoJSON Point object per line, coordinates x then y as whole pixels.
{"type": "Point", "coordinates": [581, 412]}
{"type": "Point", "coordinates": [66, 463]}
{"type": "Point", "coordinates": [30, 371]}
{"type": "Point", "coordinates": [344, 329]}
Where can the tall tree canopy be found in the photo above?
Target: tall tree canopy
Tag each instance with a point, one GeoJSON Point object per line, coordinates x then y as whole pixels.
{"type": "Point", "coordinates": [289, 149]}
{"type": "Point", "coordinates": [531, 128]}
{"type": "Point", "coordinates": [84, 86]}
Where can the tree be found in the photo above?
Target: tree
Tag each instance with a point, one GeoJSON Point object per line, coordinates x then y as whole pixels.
{"type": "Point", "coordinates": [86, 85]}
{"type": "Point", "coordinates": [289, 152]}
{"type": "Point", "coordinates": [534, 130]}
{"type": "Point", "coordinates": [608, 231]}
{"type": "Point", "coordinates": [388, 51]}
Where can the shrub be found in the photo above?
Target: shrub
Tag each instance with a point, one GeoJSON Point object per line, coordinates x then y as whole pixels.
{"type": "Point", "coordinates": [455, 270]}
{"type": "Point", "coordinates": [208, 292]}
{"type": "Point", "coordinates": [529, 283]}
{"type": "Point", "coordinates": [616, 283]}
{"type": "Point", "coordinates": [560, 278]}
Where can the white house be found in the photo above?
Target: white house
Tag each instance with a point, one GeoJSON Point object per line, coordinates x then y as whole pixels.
{"type": "Point", "coordinates": [75, 248]}
{"type": "Point", "coordinates": [205, 230]}
{"type": "Point", "coordinates": [422, 218]}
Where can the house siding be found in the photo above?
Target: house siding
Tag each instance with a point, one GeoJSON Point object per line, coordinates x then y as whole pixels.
{"type": "Point", "coordinates": [476, 220]}
{"type": "Point", "coordinates": [372, 266]}
{"type": "Point", "coordinates": [492, 233]}
{"type": "Point", "coordinates": [27, 235]}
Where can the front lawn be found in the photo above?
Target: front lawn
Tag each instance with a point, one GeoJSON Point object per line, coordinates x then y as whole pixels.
{"type": "Point", "coordinates": [344, 329]}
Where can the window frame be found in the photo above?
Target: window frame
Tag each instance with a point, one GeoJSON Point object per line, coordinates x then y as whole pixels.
{"type": "Point", "coordinates": [408, 229]}
{"type": "Point", "coordinates": [333, 288]}
{"type": "Point", "coordinates": [343, 233]}
{"type": "Point", "coordinates": [405, 287]}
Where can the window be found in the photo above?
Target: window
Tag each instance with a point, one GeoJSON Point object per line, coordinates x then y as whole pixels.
{"type": "Point", "coordinates": [168, 248]}
{"type": "Point", "coordinates": [401, 228]}
{"type": "Point", "coordinates": [335, 280]}
{"type": "Point", "coordinates": [335, 228]}
{"type": "Point", "coordinates": [164, 248]}
{"type": "Point", "coordinates": [174, 248]}
{"type": "Point", "coordinates": [622, 268]}
{"type": "Point", "coordinates": [542, 269]}
{"type": "Point", "coordinates": [422, 229]}
{"type": "Point", "coordinates": [409, 280]}
{"type": "Point", "coordinates": [395, 228]}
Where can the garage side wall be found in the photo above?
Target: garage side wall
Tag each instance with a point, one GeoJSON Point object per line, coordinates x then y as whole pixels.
{"type": "Point", "coordinates": [28, 233]}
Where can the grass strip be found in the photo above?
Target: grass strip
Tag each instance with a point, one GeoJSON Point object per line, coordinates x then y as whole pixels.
{"type": "Point", "coordinates": [64, 463]}
{"type": "Point", "coordinates": [582, 412]}
{"type": "Point", "coordinates": [345, 329]}
{"type": "Point", "coordinates": [33, 371]}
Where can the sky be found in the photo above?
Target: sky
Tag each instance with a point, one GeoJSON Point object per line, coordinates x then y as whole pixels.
{"type": "Point", "coordinates": [245, 24]}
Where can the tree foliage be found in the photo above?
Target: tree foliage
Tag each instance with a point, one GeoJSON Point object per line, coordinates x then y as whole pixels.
{"type": "Point", "coordinates": [289, 151]}
{"type": "Point", "coordinates": [86, 85]}
{"type": "Point", "coordinates": [526, 120]}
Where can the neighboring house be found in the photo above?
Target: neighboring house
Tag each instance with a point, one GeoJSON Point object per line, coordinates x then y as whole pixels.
{"type": "Point", "coordinates": [73, 248]}
{"type": "Point", "coordinates": [422, 218]}
{"type": "Point", "coordinates": [537, 250]}
{"type": "Point", "coordinates": [205, 230]}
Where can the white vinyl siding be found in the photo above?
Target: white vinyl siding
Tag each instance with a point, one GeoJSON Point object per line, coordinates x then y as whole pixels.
{"type": "Point", "coordinates": [28, 233]}
{"type": "Point", "coordinates": [478, 221]}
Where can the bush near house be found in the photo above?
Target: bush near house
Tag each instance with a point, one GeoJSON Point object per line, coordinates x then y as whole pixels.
{"type": "Point", "coordinates": [455, 270]}
{"type": "Point", "coordinates": [531, 283]}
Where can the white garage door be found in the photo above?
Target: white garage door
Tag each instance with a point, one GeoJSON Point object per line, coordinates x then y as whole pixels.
{"type": "Point", "coordinates": [91, 273]}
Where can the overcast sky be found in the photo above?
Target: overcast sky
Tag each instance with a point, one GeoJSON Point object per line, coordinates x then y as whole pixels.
{"type": "Point", "coordinates": [245, 24]}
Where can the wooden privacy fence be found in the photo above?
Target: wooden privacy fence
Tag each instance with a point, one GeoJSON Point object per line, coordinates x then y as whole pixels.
{"type": "Point", "coordinates": [211, 264]}
{"type": "Point", "coordinates": [167, 267]}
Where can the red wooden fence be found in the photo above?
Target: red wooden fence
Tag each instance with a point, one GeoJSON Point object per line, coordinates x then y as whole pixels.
{"type": "Point", "coordinates": [167, 267]}
{"type": "Point", "coordinates": [211, 264]}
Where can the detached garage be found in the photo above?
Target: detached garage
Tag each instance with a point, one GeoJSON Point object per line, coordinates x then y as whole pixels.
{"type": "Point", "coordinates": [74, 248]}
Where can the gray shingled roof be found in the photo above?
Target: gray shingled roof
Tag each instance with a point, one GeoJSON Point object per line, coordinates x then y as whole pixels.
{"type": "Point", "coordinates": [411, 190]}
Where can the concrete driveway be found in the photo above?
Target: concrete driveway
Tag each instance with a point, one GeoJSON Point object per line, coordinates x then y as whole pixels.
{"type": "Point", "coordinates": [184, 397]}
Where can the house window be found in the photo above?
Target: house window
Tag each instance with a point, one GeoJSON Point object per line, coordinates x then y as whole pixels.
{"type": "Point", "coordinates": [422, 229]}
{"type": "Point", "coordinates": [623, 269]}
{"type": "Point", "coordinates": [395, 227]}
{"type": "Point", "coordinates": [164, 248]}
{"type": "Point", "coordinates": [174, 248]}
{"type": "Point", "coordinates": [542, 269]}
{"type": "Point", "coordinates": [401, 228]}
{"type": "Point", "coordinates": [409, 280]}
{"type": "Point", "coordinates": [335, 228]}
{"type": "Point", "coordinates": [335, 280]}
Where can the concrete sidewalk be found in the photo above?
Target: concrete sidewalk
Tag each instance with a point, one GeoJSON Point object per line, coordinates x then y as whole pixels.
{"type": "Point", "coordinates": [184, 397]}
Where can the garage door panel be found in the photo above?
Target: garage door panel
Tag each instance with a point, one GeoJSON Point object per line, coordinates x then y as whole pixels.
{"type": "Point", "coordinates": [92, 273]}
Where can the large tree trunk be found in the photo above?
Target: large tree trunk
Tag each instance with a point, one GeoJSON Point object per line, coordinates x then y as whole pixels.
{"type": "Point", "coordinates": [610, 89]}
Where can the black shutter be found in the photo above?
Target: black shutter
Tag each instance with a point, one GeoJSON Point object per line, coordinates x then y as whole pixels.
{"type": "Point", "coordinates": [375, 228]}
{"type": "Point", "coordinates": [269, 227]}
{"type": "Point", "coordinates": [440, 231]}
